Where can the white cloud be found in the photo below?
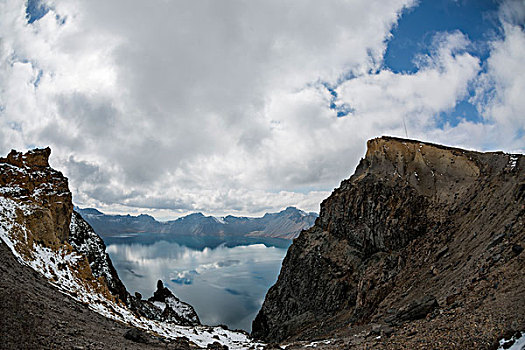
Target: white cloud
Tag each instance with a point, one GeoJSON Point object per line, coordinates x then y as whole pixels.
{"type": "Point", "coordinates": [170, 107]}
{"type": "Point", "coordinates": [385, 98]}
{"type": "Point", "coordinates": [498, 92]}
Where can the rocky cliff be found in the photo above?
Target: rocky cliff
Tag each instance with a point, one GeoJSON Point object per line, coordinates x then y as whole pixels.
{"type": "Point", "coordinates": [43, 194]}
{"type": "Point", "coordinates": [40, 228]}
{"type": "Point", "coordinates": [420, 248]}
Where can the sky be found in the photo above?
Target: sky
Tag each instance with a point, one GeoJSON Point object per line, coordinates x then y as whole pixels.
{"type": "Point", "coordinates": [243, 107]}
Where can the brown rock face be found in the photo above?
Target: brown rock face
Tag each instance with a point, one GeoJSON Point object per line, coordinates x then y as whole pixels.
{"type": "Point", "coordinates": [45, 216]}
{"type": "Point", "coordinates": [420, 237]}
{"type": "Point", "coordinates": [45, 190]}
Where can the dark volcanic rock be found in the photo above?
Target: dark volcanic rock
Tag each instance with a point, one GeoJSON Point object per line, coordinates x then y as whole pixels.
{"type": "Point", "coordinates": [164, 306]}
{"type": "Point", "coordinates": [416, 310]}
{"type": "Point", "coordinates": [84, 239]}
{"type": "Point", "coordinates": [174, 310]}
{"type": "Point", "coordinates": [137, 336]}
{"type": "Point", "coordinates": [415, 219]}
{"type": "Point", "coordinates": [216, 346]}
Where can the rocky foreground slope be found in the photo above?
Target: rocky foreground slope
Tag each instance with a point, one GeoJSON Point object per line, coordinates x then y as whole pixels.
{"type": "Point", "coordinates": [39, 228]}
{"type": "Point", "coordinates": [421, 248]}
{"type": "Point", "coordinates": [34, 315]}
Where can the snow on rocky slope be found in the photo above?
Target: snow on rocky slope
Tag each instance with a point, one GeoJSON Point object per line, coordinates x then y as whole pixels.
{"type": "Point", "coordinates": [38, 224]}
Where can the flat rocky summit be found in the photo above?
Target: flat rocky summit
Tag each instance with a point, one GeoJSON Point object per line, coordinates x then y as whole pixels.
{"type": "Point", "coordinates": [421, 248]}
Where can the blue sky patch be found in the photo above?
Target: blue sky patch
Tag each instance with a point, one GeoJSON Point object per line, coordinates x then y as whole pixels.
{"type": "Point", "coordinates": [342, 109]}
{"type": "Point", "coordinates": [60, 20]}
{"type": "Point", "coordinates": [415, 32]}
{"type": "Point", "coordinates": [464, 110]}
{"type": "Point", "coordinates": [415, 36]}
{"type": "Point", "coordinates": [37, 79]}
{"type": "Point", "coordinates": [35, 10]}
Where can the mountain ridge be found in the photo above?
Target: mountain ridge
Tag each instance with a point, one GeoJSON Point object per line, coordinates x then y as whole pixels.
{"type": "Point", "coordinates": [286, 224]}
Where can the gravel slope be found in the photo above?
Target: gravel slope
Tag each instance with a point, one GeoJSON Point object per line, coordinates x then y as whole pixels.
{"type": "Point", "coordinates": [34, 315]}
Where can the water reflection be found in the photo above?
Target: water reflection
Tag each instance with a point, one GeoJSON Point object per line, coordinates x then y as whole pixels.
{"type": "Point", "coordinates": [226, 284]}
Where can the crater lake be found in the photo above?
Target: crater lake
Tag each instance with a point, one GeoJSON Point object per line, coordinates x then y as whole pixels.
{"type": "Point", "coordinates": [224, 278]}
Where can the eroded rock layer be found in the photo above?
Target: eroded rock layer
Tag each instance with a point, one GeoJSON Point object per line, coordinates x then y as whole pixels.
{"type": "Point", "coordinates": [28, 179]}
{"type": "Point", "coordinates": [422, 238]}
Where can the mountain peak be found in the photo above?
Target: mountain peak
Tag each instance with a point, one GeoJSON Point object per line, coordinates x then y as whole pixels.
{"type": "Point", "coordinates": [198, 214]}
{"type": "Point", "coordinates": [89, 211]}
{"type": "Point", "coordinates": [288, 209]}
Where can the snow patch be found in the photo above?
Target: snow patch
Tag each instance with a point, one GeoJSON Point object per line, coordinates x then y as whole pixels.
{"type": "Point", "coordinates": [91, 244]}
{"type": "Point", "coordinates": [518, 343]}
{"type": "Point", "coordinates": [160, 305]}
{"type": "Point", "coordinates": [219, 220]}
{"type": "Point", "coordinates": [316, 343]}
{"type": "Point", "coordinates": [513, 161]}
{"type": "Point", "coordinates": [181, 309]}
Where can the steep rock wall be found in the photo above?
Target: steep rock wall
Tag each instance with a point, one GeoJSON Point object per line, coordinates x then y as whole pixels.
{"type": "Point", "coordinates": [28, 179]}
{"type": "Point", "coordinates": [417, 227]}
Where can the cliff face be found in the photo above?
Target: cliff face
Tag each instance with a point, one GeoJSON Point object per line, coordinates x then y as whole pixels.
{"type": "Point", "coordinates": [39, 224]}
{"type": "Point", "coordinates": [85, 241]}
{"type": "Point", "coordinates": [28, 179]}
{"type": "Point", "coordinates": [420, 231]}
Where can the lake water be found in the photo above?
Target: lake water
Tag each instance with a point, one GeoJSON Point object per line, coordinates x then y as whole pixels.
{"type": "Point", "coordinates": [224, 278]}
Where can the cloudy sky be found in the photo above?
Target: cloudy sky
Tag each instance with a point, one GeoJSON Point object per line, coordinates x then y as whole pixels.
{"type": "Point", "coordinates": [245, 106]}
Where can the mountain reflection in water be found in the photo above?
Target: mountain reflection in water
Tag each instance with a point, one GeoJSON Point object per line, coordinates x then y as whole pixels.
{"type": "Point", "coordinates": [224, 278]}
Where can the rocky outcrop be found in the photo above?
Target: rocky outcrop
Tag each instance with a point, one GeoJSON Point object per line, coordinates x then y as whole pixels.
{"type": "Point", "coordinates": [85, 241]}
{"type": "Point", "coordinates": [421, 234]}
{"type": "Point", "coordinates": [166, 307]}
{"type": "Point", "coordinates": [173, 310]}
{"type": "Point", "coordinates": [28, 179]}
{"type": "Point", "coordinates": [40, 221]}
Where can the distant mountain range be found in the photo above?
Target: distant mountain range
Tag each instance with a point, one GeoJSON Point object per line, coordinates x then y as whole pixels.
{"type": "Point", "coordinates": [286, 224]}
